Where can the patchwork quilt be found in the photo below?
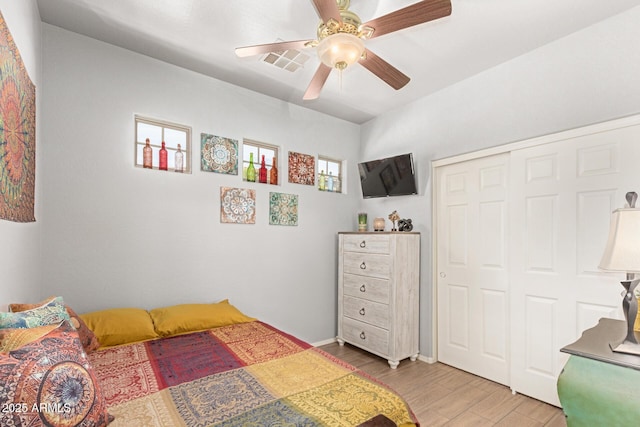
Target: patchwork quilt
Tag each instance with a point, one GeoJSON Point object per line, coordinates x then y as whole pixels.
{"type": "Point", "coordinates": [247, 374]}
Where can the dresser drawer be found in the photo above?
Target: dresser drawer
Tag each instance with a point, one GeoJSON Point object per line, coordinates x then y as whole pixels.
{"type": "Point", "coordinates": [370, 312]}
{"type": "Point", "coordinates": [369, 288]}
{"type": "Point", "coordinates": [365, 335]}
{"type": "Point", "coordinates": [367, 264]}
{"type": "Point", "coordinates": [366, 243]}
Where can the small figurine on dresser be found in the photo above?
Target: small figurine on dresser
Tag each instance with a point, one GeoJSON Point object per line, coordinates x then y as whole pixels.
{"type": "Point", "coordinates": [405, 225]}
{"type": "Point", "coordinates": [394, 217]}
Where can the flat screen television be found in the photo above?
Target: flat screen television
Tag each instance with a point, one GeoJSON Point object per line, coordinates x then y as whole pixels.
{"type": "Point", "coordinates": [393, 176]}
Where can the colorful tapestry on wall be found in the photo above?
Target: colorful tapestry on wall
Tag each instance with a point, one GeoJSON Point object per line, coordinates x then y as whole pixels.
{"type": "Point", "coordinates": [302, 168]}
{"type": "Point", "coordinates": [219, 154]}
{"type": "Point", "coordinates": [283, 209]}
{"type": "Point", "coordinates": [17, 133]}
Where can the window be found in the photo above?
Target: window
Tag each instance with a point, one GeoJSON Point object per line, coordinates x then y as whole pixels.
{"type": "Point", "coordinates": [329, 174]}
{"type": "Point", "coordinates": [259, 149]}
{"type": "Point", "coordinates": [158, 131]}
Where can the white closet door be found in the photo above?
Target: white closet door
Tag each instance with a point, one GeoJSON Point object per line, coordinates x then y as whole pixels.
{"type": "Point", "coordinates": [473, 323]}
{"type": "Point", "coordinates": [561, 198]}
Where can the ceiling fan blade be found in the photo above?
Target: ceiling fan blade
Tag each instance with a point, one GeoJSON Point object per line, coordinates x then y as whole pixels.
{"type": "Point", "coordinates": [327, 9]}
{"type": "Point", "coordinates": [318, 80]}
{"type": "Point", "coordinates": [417, 13]}
{"type": "Point", "coordinates": [270, 47]}
{"type": "Point", "coordinates": [385, 71]}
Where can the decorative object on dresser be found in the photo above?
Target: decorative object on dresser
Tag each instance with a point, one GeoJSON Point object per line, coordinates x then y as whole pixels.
{"type": "Point", "coordinates": [378, 224]}
{"type": "Point", "coordinates": [405, 225]}
{"type": "Point", "coordinates": [378, 293]}
{"type": "Point", "coordinates": [597, 386]}
{"type": "Point", "coordinates": [394, 217]}
{"type": "Point", "coordinates": [622, 253]}
{"type": "Point", "coordinates": [362, 221]}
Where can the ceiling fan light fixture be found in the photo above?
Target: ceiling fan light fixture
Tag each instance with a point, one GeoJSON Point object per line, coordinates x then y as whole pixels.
{"type": "Point", "coordinates": [340, 50]}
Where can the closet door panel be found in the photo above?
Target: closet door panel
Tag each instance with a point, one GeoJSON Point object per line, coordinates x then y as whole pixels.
{"type": "Point", "coordinates": [473, 303]}
{"type": "Point", "coordinates": [562, 195]}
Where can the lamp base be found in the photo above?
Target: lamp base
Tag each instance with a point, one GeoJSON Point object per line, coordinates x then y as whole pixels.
{"type": "Point", "coordinates": [626, 347]}
{"type": "Point", "coordinates": [630, 308]}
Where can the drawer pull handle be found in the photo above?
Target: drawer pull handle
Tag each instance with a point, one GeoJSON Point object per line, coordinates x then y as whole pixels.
{"type": "Point", "coordinates": [361, 311]}
{"type": "Point", "coordinates": [363, 266]}
{"type": "Point", "coordinates": [363, 244]}
{"type": "Point", "coordinates": [363, 288]}
{"type": "Point", "coordinates": [363, 336]}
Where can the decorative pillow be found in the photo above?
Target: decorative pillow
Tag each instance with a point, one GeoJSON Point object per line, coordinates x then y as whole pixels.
{"type": "Point", "coordinates": [51, 312]}
{"type": "Point", "coordinates": [118, 326]}
{"type": "Point", "coordinates": [87, 338]}
{"type": "Point", "coordinates": [49, 382]}
{"type": "Point", "coordinates": [10, 339]}
{"type": "Point", "coordinates": [185, 318]}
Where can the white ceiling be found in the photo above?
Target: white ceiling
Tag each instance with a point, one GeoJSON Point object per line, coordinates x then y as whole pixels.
{"type": "Point", "coordinates": [201, 35]}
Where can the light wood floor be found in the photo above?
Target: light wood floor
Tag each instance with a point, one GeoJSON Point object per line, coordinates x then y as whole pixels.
{"type": "Point", "coordinates": [440, 395]}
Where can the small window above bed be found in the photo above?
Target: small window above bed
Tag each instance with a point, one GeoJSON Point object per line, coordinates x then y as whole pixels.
{"type": "Point", "coordinates": [175, 156]}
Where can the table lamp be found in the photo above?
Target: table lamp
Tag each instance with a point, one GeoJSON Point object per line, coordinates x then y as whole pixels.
{"type": "Point", "coordinates": [622, 253]}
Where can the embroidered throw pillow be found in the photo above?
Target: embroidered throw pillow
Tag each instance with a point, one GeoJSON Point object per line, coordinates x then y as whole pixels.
{"type": "Point", "coordinates": [51, 312]}
{"type": "Point", "coordinates": [49, 382]}
{"type": "Point", "coordinates": [87, 337]}
{"type": "Point", "coordinates": [11, 339]}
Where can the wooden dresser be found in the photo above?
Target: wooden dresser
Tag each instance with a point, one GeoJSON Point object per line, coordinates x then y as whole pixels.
{"type": "Point", "coordinates": [378, 293]}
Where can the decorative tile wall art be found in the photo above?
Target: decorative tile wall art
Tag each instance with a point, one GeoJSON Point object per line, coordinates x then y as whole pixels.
{"type": "Point", "coordinates": [237, 205]}
{"type": "Point", "coordinates": [283, 209]}
{"type": "Point", "coordinates": [302, 168]}
{"type": "Point", "coordinates": [17, 133]}
{"type": "Point", "coordinates": [218, 154]}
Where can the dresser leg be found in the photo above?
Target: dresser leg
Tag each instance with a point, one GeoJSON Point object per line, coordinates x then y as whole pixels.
{"type": "Point", "coordinates": [340, 342]}
{"type": "Point", "coordinates": [393, 363]}
{"type": "Point", "coordinates": [414, 357]}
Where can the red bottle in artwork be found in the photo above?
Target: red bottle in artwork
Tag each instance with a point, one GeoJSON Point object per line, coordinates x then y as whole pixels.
{"type": "Point", "coordinates": [163, 158]}
{"type": "Point", "coordinates": [263, 171]}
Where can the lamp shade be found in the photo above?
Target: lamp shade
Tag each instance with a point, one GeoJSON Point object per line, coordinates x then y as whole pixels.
{"type": "Point", "coordinates": [340, 50]}
{"type": "Point", "coordinates": [622, 252]}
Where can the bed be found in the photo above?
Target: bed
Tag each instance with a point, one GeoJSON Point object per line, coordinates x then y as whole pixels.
{"type": "Point", "coordinates": [244, 373]}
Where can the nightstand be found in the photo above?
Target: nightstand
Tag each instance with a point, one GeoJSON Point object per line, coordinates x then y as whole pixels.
{"type": "Point", "coordinates": [597, 386]}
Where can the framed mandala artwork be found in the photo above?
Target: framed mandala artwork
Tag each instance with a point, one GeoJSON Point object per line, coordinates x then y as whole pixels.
{"type": "Point", "coordinates": [237, 205]}
{"type": "Point", "coordinates": [302, 168]}
{"type": "Point", "coordinates": [17, 133]}
{"type": "Point", "coordinates": [283, 209]}
{"type": "Point", "coordinates": [219, 154]}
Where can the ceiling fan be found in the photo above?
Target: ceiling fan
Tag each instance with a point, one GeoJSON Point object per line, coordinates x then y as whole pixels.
{"type": "Point", "coordinates": [341, 36]}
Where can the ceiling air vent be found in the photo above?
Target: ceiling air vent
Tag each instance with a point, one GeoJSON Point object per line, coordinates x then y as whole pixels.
{"type": "Point", "coordinates": [290, 60]}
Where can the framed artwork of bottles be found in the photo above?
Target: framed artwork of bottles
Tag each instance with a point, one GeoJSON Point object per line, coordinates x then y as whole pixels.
{"type": "Point", "coordinates": [218, 154]}
{"type": "Point", "coordinates": [162, 145]}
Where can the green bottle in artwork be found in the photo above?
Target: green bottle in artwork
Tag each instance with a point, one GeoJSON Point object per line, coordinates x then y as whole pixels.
{"type": "Point", "coordinates": [251, 170]}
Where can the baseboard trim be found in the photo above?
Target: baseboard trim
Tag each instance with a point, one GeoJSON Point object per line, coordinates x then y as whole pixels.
{"type": "Point", "coordinates": [426, 359]}
{"type": "Point", "coordinates": [325, 342]}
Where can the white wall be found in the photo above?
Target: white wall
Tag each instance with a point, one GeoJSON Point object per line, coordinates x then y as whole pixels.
{"type": "Point", "coordinates": [20, 242]}
{"type": "Point", "coordinates": [116, 235]}
{"type": "Point", "coordinates": [588, 77]}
